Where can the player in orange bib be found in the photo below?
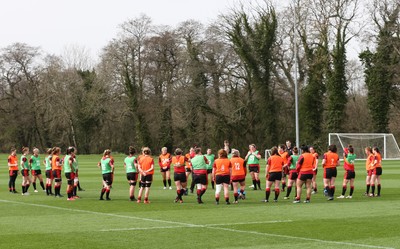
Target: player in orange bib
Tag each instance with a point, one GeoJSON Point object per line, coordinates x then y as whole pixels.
{"type": "Point", "coordinates": [304, 167]}
{"type": "Point", "coordinates": [368, 166]}
{"type": "Point", "coordinates": [376, 168]}
{"type": "Point", "coordinates": [273, 171]}
{"type": "Point", "coordinates": [146, 170]}
{"type": "Point", "coordinates": [314, 180]}
{"type": "Point", "coordinates": [238, 177]}
{"type": "Point", "coordinates": [13, 170]}
{"type": "Point", "coordinates": [330, 162]}
{"type": "Point", "coordinates": [285, 170]}
{"type": "Point", "coordinates": [222, 170]}
{"type": "Point", "coordinates": [178, 162]}
{"type": "Point", "coordinates": [56, 167]}
{"type": "Point", "coordinates": [164, 161]}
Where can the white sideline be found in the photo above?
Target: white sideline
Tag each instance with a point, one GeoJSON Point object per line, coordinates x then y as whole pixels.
{"type": "Point", "coordinates": [209, 226]}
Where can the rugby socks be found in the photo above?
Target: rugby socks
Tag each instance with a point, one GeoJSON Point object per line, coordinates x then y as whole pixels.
{"type": "Point", "coordinates": [277, 191]}
{"type": "Point", "coordinates": [326, 190]}
{"type": "Point", "coordinates": [103, 190]}
{"type": "Point", "coordinates": [57, 190]}
{"type": "Point", "coordinates": [165, 183]}
{"type": "Point", "coordinates": [169, 182]}
{"type": "Point", "coordinates": [23, 189]}
{"type": "Point", "coordinates": [236, 195]}
{"type": "Point", "coordinates": [255, 184]}
{"type": "Point", "coordinates": [192, 187]}
{"type": "Point", "coordinates": [368, 186]}
{"type": "Point", "coordinates": [34, 185]}
{"type": "Point", "coordinates": [42, 185]}
{"type": "Point", "coordinates": [10, 185]}
{"type": "Point", "coordinates": [179, 193]}
{"type": "Point", "coordinates": [107, 194]}
{"type": "Point", "coordinates": [351, 190]}
{"type": "Point", "coordinates": [332, 191]}
{"type": "Point", "coordinates": [267, 192]}
{"type": "Point", "coordinates": [379, 189]}
{"type": "Point", "coordinates": [227, 200]}
{"type": "Point", "coordinates": [203, 190]}
{"type": "Point", "coordinates": [79, 187]}
{"type": "Point", "coordinates": [259, 184]}
{"type": "Point", "coordinates": [74, 190]}
{"type": "Point", "coordinates": [283, 186]}
{"type": "Point", "coordinates": [217, 199]}
{"type": "Point", "coordinates": [344, 189]}
{"type": "Point", "coordinates": [212, 184]}
{"type": "Point", "coordinates": [27, 187]}
{"type": "Point", "coordinates": [289, 189]}
{"type": "Point", "coordinates": [373, 189]}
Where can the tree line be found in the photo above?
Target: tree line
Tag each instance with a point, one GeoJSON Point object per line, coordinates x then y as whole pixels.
{"type": "Point", "coordinates": [194, 84]}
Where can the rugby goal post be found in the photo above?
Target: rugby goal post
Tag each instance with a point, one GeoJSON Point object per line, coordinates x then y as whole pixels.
{"type": "Point", "coordinates": [267, 154]}
{"type": "Point", "coordinates": [386, 143]}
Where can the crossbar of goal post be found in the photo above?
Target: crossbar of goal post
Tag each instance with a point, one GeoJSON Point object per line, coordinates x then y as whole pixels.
{"type": "Point", "coordinates": [377, 135]}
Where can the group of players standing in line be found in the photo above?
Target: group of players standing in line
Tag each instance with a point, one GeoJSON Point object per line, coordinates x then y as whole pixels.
{"type": "Point", "coordinates": [53, 166]}
{"type": "Point", "coordinates": [226, 170]}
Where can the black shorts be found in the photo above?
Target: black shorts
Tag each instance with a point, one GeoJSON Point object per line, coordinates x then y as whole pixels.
{"type": "Point", "coordinates": [349, 175]}
{"type": "Point", "coordinates": [330, 172]}
{"type": "Point", "coordinates": [209, 171]}
{"type": "Point", "coordinates": [181, 177]}
{"type": "Point", "coordinates": [219, 179]}
{"type": "Point", "coordinates": [255, 169]}
{"type": "Point", "coordinates": [132, 176]}
{"type": "Point", "coordinates": [36, 172]}
{"type": "Point", "coordinates": [274, 176]}
{"type": "Point", "coordinates": [25, 172]}
{"type": "Point", "coordinates": [188, 169]}
{"type": "Point", "coordinates": [70, 176]}
{"type": "Point", "coordinates": [377, 171]}
{"type": "Point", "coordinates": [56, 174]}
{"type": "Point", "coordinates": [49, 174]}
{"type": "Point", "coordinates": [200, 179]}
{"type": "Point", "coordinates": [305, 177]}
{"type": "Point", "coordinates": [165, 170]}
{"type": "Point", "coordinates": [108, 178]}
{"type": "Point", "coordinates": [146, 178]}
{"type": "Point", "coordinates": [293, 175]}
{"type": "Point", "coordinates": [13, 173]}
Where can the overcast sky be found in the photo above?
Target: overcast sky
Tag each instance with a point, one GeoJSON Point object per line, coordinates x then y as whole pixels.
{"type": "Point", "coordinates": [55, 24]}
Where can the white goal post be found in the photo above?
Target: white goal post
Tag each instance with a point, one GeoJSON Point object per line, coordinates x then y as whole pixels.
{"type": "Point", "coordinates": [267, 154]}
{"type": "Point", "coordinates": [386, 143]}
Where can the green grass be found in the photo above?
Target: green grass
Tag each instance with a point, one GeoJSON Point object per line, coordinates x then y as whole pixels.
{"type": "Point", "coordinates": [39, 221]}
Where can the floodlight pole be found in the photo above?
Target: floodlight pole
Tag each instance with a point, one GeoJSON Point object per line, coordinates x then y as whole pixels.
{"type": "Point", "coordinates": [296, 97]}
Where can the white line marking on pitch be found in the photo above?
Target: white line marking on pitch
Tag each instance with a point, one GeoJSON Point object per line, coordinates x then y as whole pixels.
{"type": "Point", "coordinates": [213, 226]}
{"type": "Point", "coordinates": [193, 225]}
{"type": "Point", "coordinates": [99, 213]}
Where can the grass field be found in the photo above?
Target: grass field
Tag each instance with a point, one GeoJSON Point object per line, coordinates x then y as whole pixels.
{"type": "Point", "coordinates": [39, 221]}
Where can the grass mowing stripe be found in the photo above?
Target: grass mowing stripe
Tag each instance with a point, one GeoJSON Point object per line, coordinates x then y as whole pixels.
{"type": "Point", "coordinates": [99, 213]}
{"type": "Point", "coordinates": [210, 226]}
{"type": "Point", "coordinates": [300, 238]}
